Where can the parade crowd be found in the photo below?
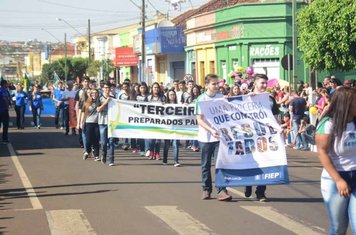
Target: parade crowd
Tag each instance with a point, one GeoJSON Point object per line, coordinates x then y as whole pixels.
{"type": "Point", "coordinates": [82, 109]}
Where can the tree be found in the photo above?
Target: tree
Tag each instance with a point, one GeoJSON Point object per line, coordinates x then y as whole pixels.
{"type": "Point", "coordinates": [327, 34]}
{"type": "Point", "coordinates": [76, 68]}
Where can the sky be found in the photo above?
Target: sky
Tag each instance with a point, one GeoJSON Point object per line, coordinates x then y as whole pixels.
{"type": "Point", "coordinates": [24, 20]}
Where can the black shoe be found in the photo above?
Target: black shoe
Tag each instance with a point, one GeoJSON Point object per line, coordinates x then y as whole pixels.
{"type": "Point", "coordinates": [248, 191]}
{"type": "Point", "coordinates": [261, 197]}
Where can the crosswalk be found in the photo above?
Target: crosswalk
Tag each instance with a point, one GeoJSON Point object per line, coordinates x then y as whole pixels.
{"type": "Point", "coordinates": [74, 221]}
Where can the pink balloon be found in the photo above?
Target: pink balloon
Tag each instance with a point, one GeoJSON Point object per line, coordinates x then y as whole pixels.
{"type": "Point", "coordinates": [249, 70]}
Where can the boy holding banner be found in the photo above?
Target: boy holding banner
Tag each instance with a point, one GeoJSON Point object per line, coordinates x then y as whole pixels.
{"type": "Point", "coordinates": [209, 139]}
{"type": "Point", "coordinates": [260, 87]}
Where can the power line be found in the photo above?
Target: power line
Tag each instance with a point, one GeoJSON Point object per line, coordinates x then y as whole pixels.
{"type": "Point", "coordinates": [80, 8]}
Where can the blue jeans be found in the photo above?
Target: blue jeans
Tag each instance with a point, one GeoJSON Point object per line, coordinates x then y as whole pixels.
{"type": "Point", "coordinates": [155, 146]}
{"type": "Point", "coordinates": [341, 211]}
{"type": "Point", "coordinates": [207, 151]}
{"type": "Point", "coordinates": [296, 124]}
{"type": "Point", "coordinates": [84, 139]}
{"type": "Point", "coordinates": [59, 116]}
{"type": "Point", "coordinates": [103, 129]}
{"type": "Point", "coordinates": [307, 139]}
{"type": "Point", "coordinates": [112, 142]}
{"type": "Point", "coordinates": [36, 114]}
{"type": "Point", "coordinates": [167, 144]}
{"type": "Point", "coordinates": [147, 144]}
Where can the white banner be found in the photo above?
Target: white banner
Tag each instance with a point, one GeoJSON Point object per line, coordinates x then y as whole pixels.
{"type": "Point", "coordinates": [132, 119]}
{"type": "Point", "coordinates": [251, 148]}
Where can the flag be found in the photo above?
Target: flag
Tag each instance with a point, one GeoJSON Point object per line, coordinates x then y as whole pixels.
{"type": "Point", "coordinates": [26, 83]}
{"type": "Point", "coordinates": [56, 79]}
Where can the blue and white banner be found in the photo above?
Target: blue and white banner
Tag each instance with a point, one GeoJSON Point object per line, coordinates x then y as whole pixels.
{"type": "Point", "coordinates": [251, 148]}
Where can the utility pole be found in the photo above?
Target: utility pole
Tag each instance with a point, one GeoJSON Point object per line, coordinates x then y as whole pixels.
{"type": "Point", "coordinates": [89, 43]}
{"type": "Point", "coordinates": [65, 58]}
{"type": "Point", "coordinates": [294, 42]}
{"type": "Point", "coordinates": [143, 49]}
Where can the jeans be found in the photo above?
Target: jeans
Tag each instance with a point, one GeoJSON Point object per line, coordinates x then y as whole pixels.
{"type": "Point", "coordinates": [36, 114]}
{"type": "Point", "coordinates": [84, 138]}
{"type": "Point", "coordinates": [296, 124]}
{"type": "Point", "coordinates": [59, 116]}
{"type": "Point", "coordinates": [104, 140]}
{"type": "Point", "coordinates": [155, 146]}
{"type": "Point", "coordinates": [307, 139]}
{"type": "Point", "coordinates": [92, 138]}
{"type": "Point", "coordinates": [112, 142]}
{"type": "Point", "coordinates": [66, 117]}
{"type": "Point", "coordinates": [195, 143]}
{"type": "Point", "coordinates": [167, 144]}
{"type": "Point", "coordinates": [147, 144]}
{"type": "Point", "coordinates": [341, 211]}
{"type": "Point", "coordinates": [141, 145]}
{"type": "Point", "coordinates": [4, 120]}
{"type": "Point", "coordinates": [207, 151]}
{"type": "Point", "coordinates": [20, 116]}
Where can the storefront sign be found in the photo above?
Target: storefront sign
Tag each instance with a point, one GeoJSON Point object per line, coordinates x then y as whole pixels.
{"type": "Point", "coordinates": [265, 51]}
{"type": "Point", "coordinates": [125, 56]}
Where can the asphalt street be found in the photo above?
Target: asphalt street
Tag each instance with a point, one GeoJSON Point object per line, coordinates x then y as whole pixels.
{"type": "Point", "coordinates": [47, 188]}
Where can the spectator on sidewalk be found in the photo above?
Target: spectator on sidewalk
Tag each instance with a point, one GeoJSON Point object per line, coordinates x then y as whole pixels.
{"type": "Point", "coordinates": [297, 109]}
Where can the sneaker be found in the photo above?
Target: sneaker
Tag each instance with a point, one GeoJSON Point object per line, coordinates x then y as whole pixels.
{"type": "Point", "coordinates": [62, 128]}
{"type": "Point", "coordinates": [157, 156]}
{"type": "Point", "coordinates": [5, 142]}
{"type": "Point", "coordinates": [148, 153]}
{"type": "Point", "coordinates": [151, 156]}
{"type": "Point", "coordinates": [164, 163]}
{"type": "Point", "coordinates": [206, 195]}
{"type": "Point", "coordinates": [112, 164]}
{"type": "Point", "coordinates": [103, 160]}
{"type": "Point", "coordinates": [97, 159]}
{"type": "Point", "coordinates": [224, 196]}
{"type": "Point", "coordinates": [134, 151]}
{"type": "Point", "coordinates": [176, 164]}
{"type": "Point", "coordinates": [38, 127]}
{"type": "Point", "coordinates": [261, 197]}
{"type": "Point", "coordinates": [85, 156]}
{"type": "Point", "coordinates": [188, 147]}
{"type": "Point", "coordinates": [248, 191]}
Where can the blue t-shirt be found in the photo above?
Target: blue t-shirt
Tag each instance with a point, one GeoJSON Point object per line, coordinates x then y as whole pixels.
{"type": "Point", "coordinates": [36, 100]}
{"type": "Point", "coordinates": [4, 99]}
{"type": "Point", "coordinates": [58, 94]}
{"type": "Point", "coordinates": [21, 98]}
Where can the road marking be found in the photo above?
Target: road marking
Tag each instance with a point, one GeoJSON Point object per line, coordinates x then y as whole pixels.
{"type": "Point", "coordinates": [36, 204]}
{"type": "Point", "coordinates": [179, 221]}
{"type": "Point", "coordinates": [269, 214]}
{"type": "Point", "coordinates": [234, 191]}
{"type": "Point", "coordinates": [68, 222]}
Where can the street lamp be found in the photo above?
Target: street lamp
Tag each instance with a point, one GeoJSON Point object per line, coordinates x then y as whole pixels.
{"type": "Point", "coordinates": [89, 43]}
{"type": "Point", "coordinates": [67, 23]}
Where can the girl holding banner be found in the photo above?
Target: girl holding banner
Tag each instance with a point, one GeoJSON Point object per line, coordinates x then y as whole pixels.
{"type": "Point", "coordinates": [171, 99]}
{"type": "Point", "coordinates": [156, 96]}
